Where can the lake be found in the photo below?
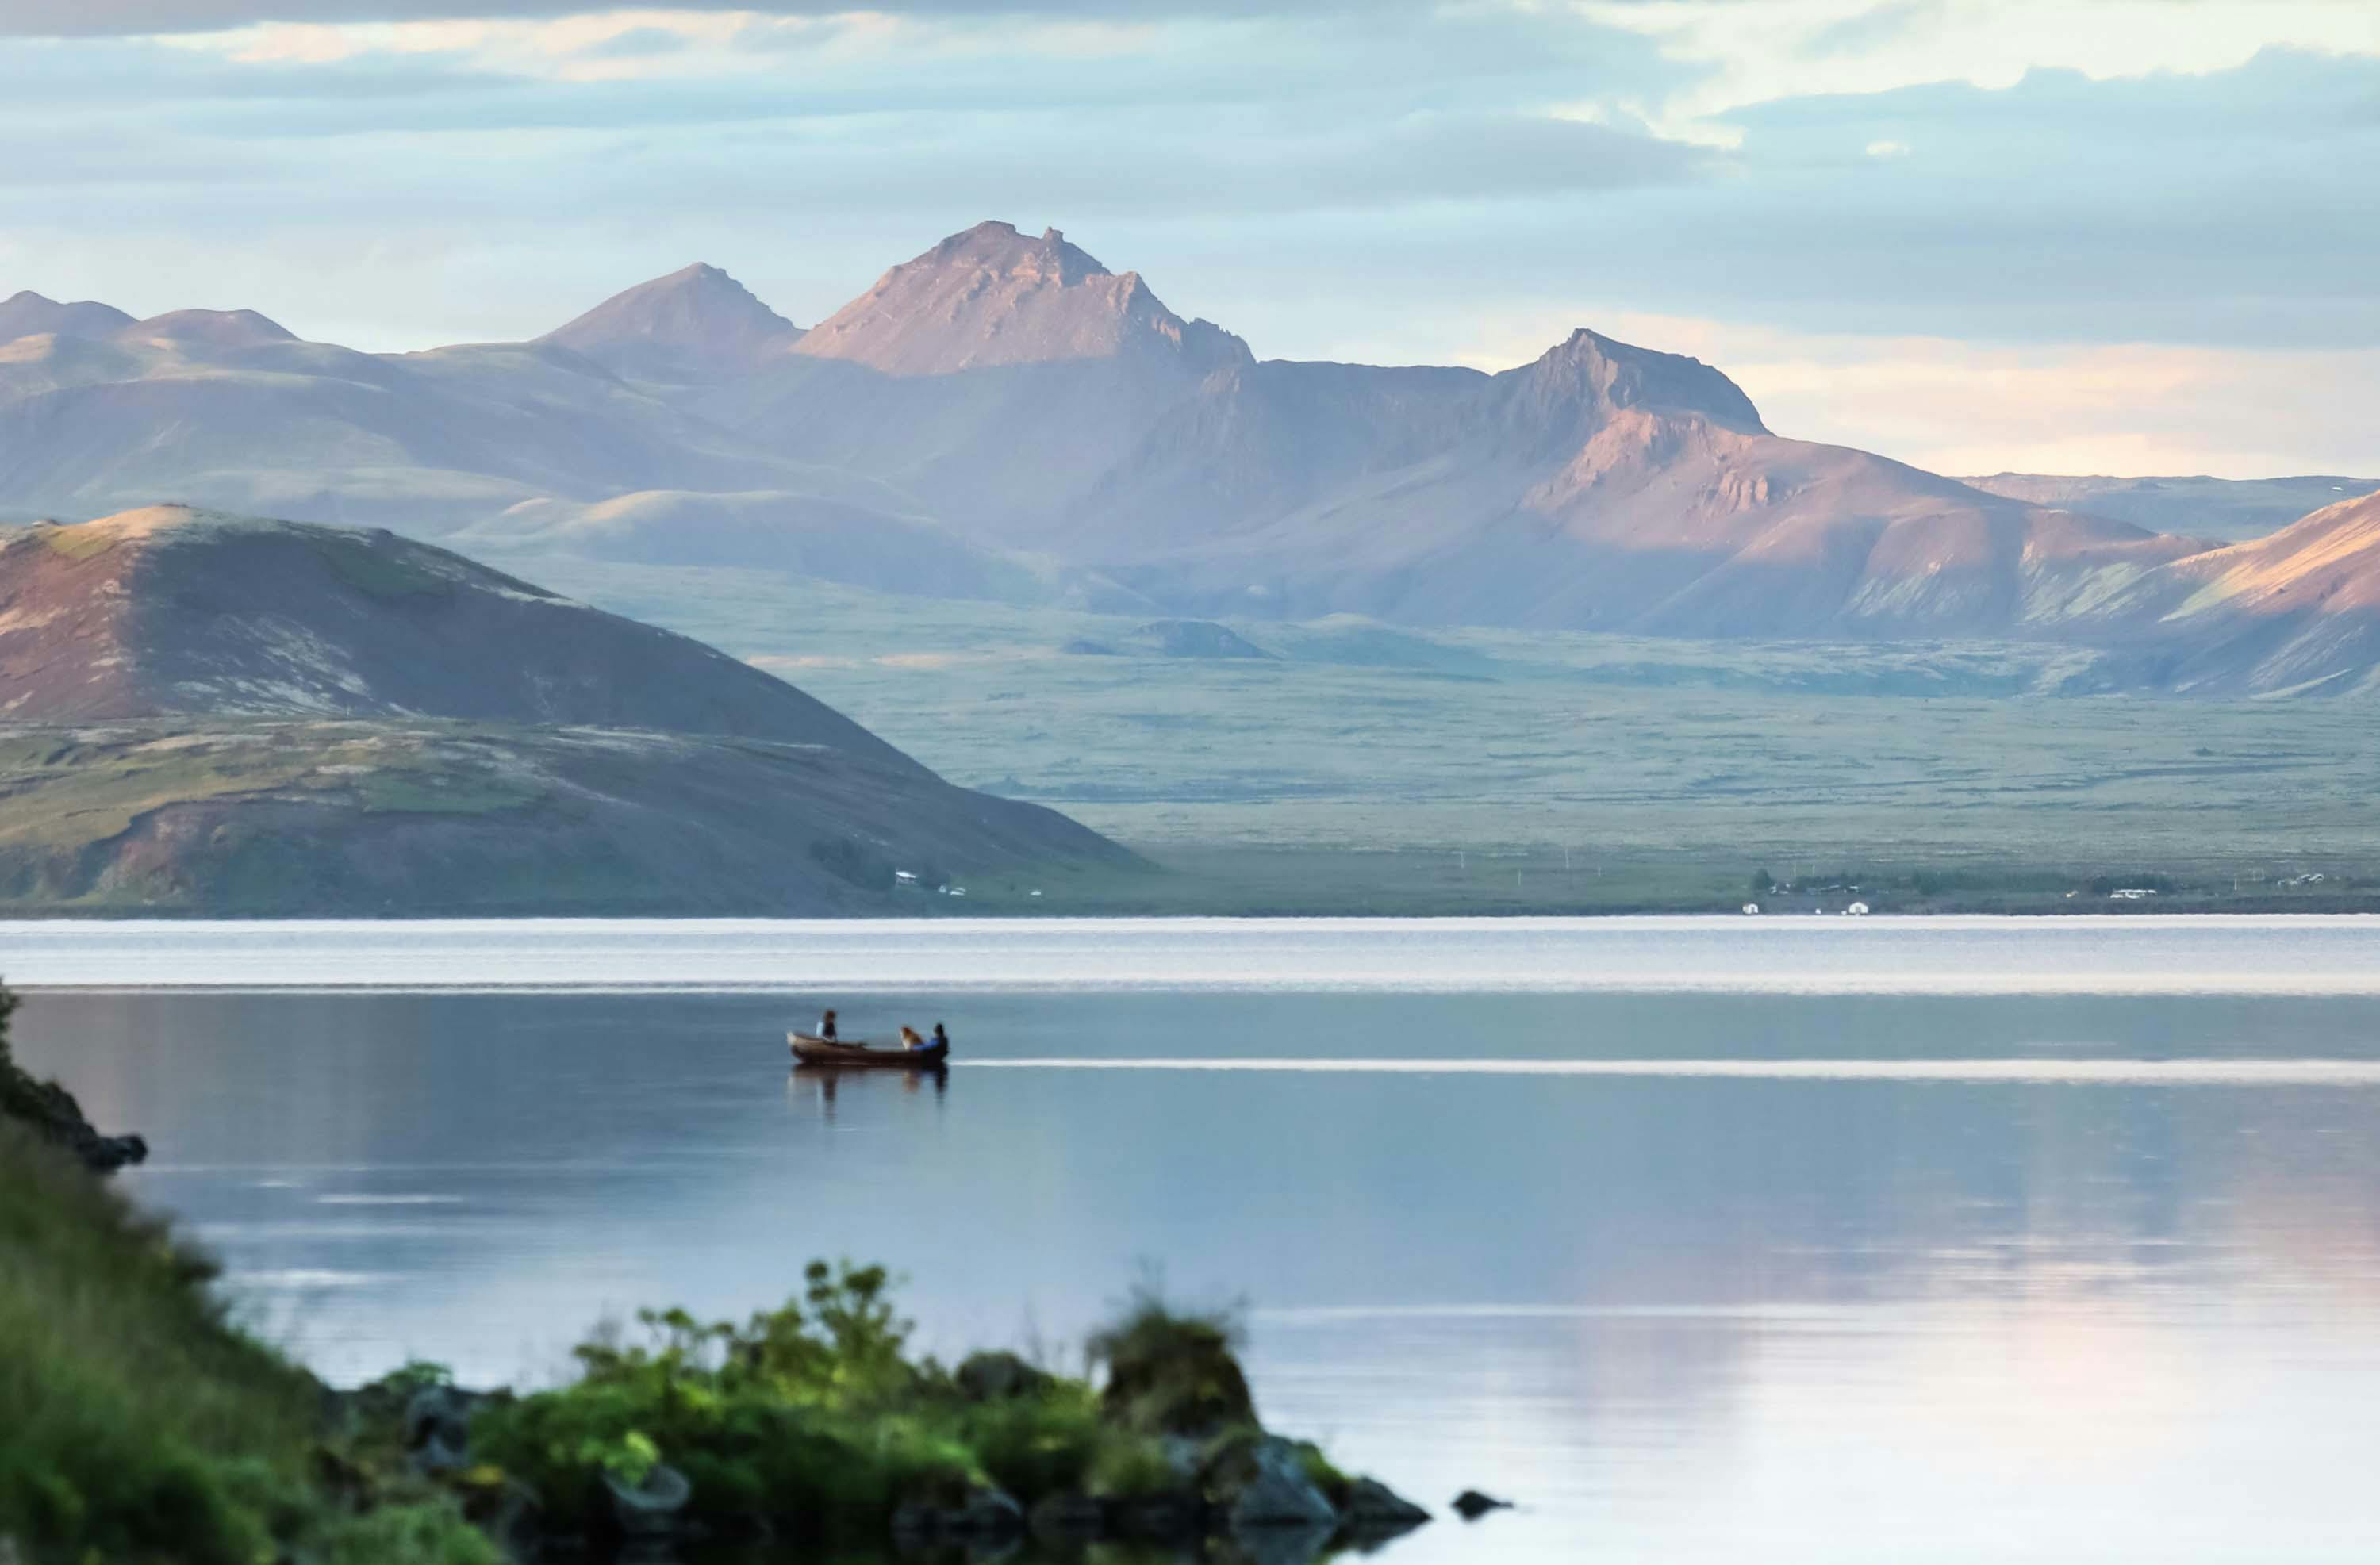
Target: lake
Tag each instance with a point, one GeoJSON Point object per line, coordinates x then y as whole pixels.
{"type": "Point", "coordinates": [1704, 1239]}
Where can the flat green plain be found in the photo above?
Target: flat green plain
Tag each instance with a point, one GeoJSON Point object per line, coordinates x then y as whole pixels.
{"type": "Point", "coordinates": [1366, 767]}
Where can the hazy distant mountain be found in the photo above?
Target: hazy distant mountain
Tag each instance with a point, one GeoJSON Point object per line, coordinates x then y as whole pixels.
{"type": "Point", "coordinates": [1602, 487]}
{"type": "Point", "coordinates": [234, 714]}
{"type": "Point", "coordinates": [991, 296]}
{"type": "Point", "coordinates": [228, 410]}
{"type": "Point", "coordinates": [697, 324]}
{"type": "Point", "coordinates": [2225, 510]}
{"type": "Point", "coordinates": [1002, 417]}
{"type": "Point", "coordinates": [29, 314]}
{"type": "Point", "coordinates": [995, 376]}
{"type": "Point", "coordinates": [224, 329]}
{"type": "Point", "coordinates": [855, 533]}
{"type": "Point", "coordinates": [2296, 612]}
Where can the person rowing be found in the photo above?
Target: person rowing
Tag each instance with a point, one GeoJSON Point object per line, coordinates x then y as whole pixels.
{"type": "Point", "coordinates": [826, 1027]}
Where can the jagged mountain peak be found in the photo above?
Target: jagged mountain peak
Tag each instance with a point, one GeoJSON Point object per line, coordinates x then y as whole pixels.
{"type": "Point", "coordinates": [990, 296]}
{"type": "Point", "coordinates": [1589, 375]}
{"type": "Point", "coordinates": [1002, 246]}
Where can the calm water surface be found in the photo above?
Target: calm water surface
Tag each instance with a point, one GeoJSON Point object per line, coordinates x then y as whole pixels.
{"type": "Point", "coordinates": [1964, 1239]}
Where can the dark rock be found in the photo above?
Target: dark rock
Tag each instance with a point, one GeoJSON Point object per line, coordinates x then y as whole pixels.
{"type": "Point", "coordinates": [1061, 1519]}
{"type": "Point", "coordinates": [997, 1378]}
{"type": "Point", "coordinates": [1372, 1509]}
{"type": "Point", "coordinates": [52, 1113]}
{"type": "Point", "coordinates": [1268, 1482]}
{"type": "Point", "coordinates": [109, 1153]}
{"type": "Point", "coordinates": [1159, 1518]}
{"type": "Point", "coordinates": [438, 1429]}
{"type": "Point", "coordinates": [649, 1510]}
{"type": "Point", "coordinates": [1471, 1505]}
{"type": "Point", "coordinates": [976, 1517]}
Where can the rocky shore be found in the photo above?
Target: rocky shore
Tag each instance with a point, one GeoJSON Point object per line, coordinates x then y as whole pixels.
{"type": "Point", "coordinates": [1234, 1495]}
{"type": "Point", "coordinates": [809, 1427]}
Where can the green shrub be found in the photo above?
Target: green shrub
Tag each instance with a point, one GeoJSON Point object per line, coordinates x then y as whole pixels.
{"type": "Point", "coordinates": [1171, 1372]}
{"type": "Point", "coordinates": [1127, 1467]}
{"type": "Point", "coordinates": [1036, 1444]}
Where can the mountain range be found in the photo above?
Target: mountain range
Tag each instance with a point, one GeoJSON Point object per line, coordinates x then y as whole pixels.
{"type": "Point", "coordinates": [1002, 417]}
{"type": "Point", "coordinates": [202, 711]}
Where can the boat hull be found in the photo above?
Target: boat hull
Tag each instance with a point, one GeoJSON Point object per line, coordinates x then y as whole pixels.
{"type": "Point", "coordinates": [858, 1056]}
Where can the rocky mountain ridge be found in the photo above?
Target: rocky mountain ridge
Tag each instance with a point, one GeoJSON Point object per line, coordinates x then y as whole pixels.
{"type": "Point", "coordinates": [1004, 416]}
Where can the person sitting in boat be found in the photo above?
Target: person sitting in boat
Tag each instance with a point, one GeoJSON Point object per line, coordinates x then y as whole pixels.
{"type": "Point", "coordinates": [941, 1039]}
{"type": "Point", "coordinates": [826, 1026]}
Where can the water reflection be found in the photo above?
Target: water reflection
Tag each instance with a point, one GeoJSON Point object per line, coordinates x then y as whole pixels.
{"type": "Point", "coordinates": [813, 1088]}
{"type": "Point", "coordinates": [1960, 1315]}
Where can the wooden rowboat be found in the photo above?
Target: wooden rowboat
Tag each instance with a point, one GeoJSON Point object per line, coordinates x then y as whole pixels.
{"type": "Point", "coordinates": [823, 1051]}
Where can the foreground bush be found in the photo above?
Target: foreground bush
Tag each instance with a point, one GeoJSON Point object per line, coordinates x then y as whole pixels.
{"type": "Point", "coordinates": [812, 1421]}
{"type": "Point", "coordinates": [808, 1417]}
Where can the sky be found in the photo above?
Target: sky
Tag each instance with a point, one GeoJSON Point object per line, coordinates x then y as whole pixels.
{"type": "Point", "coordinates": [2089, 236]}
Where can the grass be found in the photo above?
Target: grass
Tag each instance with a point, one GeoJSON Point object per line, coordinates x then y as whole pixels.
{"type": "Point", "coordinates": [78, 543]}
{"type": "Point", "coordinates": [1370, 769]}
{"type": "Point", "coordinates": [68, 788]}
{"type": "Point", "coordinates": [376, 574]}
{"type": "Point", "coordinates": [142, 1424]}
{"type": "Point", "coordinates": [1694, 760]}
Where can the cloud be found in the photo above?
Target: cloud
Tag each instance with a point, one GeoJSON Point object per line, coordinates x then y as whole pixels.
{"type": "Point", "coordinates": [1786, 49]}
{"type": "Point", "coordinates": [92, 18]}
{"type": "Point", "coordinates": [1364, 183]}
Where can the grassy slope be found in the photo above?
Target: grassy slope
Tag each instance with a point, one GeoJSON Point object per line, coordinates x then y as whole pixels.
{"type": "Point", "coordinates": [421, 816]}
{"type": "Point", "coordinates": [1565, 771]}
{"type": "Point", "coordinates": [141, 1424]}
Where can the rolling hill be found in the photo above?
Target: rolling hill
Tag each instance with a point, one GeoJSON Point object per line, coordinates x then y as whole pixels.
{"type": "Point", "coordinates": [211, 714]}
